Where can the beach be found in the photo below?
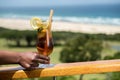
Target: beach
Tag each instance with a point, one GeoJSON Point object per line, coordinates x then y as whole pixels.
{"type": "Point", "coordinates": [24, 24]}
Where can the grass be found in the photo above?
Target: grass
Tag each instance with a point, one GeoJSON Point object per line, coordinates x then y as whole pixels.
{"type": "Point", "coordinates": [55, 55]}
{"type": "Point", "coordinates": [108, 50]}
{"type": "Point", "coordinates": [55, 59]}
{"type": "Point", "coordinates": [4, 46]}
{"type": "Point", "coordinates": [94, 77]}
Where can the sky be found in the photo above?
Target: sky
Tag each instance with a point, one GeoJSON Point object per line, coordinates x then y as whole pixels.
{"type": "Point", "coordinates": [33, 3]}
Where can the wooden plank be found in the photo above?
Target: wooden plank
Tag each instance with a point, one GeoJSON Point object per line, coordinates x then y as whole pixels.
{"type": "Point", "coordinates": [63, 69]}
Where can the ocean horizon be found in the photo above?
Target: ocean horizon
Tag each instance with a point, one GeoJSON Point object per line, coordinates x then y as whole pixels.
{"type": "Point", "coordinates": [97, 14]}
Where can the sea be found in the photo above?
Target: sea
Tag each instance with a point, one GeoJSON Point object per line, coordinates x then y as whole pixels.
{"type": "Point", "coordinates": [93, 14]}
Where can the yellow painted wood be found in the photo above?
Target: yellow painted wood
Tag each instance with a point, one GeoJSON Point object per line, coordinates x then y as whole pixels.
{"type": "Point", "coordinates": [64, 69]}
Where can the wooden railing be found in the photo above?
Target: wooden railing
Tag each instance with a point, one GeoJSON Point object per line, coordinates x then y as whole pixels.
{"type": "Point", "coordinates": [62, 69]}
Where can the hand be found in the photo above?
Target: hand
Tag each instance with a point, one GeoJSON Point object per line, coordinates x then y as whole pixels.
{"type": "Point", "coordinates": [32, 59]}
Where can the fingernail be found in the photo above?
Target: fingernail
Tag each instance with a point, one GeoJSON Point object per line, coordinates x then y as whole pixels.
{"type": "Point", "coordinates": [48, 58]}
{"type": "Point", "coordinates": [46, 61]}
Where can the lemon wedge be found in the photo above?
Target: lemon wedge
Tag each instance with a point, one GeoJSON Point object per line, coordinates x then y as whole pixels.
{"type": "Point", "coordinates": [37, 23]}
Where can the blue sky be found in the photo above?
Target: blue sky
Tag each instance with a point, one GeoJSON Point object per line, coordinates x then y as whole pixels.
{"type": "Point", "coordinates": [31, 3]}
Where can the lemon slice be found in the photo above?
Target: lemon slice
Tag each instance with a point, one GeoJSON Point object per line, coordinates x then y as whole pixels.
{"type": "Point", "coordinates": [37, 23]}
{"type": "Point", "coordinates": [46, 25]}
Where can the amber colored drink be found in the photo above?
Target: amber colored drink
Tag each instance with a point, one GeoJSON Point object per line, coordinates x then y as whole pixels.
{"type": "Point", "coordinates": [44, 42]}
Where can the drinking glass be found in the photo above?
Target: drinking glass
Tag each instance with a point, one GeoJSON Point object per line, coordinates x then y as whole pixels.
{"type": "Point", "coordinates": [44, 39]}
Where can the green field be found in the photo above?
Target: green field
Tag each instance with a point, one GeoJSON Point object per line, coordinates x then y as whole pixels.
{"type": "Point", "coordinates": [55, 59]}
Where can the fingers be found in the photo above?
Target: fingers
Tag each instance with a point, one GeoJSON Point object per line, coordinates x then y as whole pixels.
{"type": "Point", "coordinates": [35, 65]}
{"type": "Point", "coordinates": [32, 60]}
{"type": "Point", "coordinates": [41, 61]}
{"type": "Point", "coordinates": [29, 66]}
{"type": "Point", "coordinates": [43, 57]}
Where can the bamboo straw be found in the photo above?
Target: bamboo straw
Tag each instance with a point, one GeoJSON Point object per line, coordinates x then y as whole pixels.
{"type": "Point", "coordinates": [50, 19]}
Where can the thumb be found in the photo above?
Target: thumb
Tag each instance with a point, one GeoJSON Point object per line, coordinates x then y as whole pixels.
{"type": "Point", "coordinates": [25, 65]}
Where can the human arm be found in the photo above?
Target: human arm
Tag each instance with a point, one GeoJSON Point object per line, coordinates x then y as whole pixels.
{"type": "Point", "coordinates": [25, 59]}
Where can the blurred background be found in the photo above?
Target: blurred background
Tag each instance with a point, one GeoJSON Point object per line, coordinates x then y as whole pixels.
{"type": "Point", "coordinates": [83, 30]}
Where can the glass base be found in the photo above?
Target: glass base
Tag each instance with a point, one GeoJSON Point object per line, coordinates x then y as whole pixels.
{"type": "Point", "coordinates": [46, 65]}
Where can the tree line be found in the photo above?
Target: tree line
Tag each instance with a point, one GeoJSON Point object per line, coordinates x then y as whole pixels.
{"type": "Point", "coordinates": [59, 38]}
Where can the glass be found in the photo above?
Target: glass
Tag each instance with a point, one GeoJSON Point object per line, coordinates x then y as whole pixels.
{"type": "Point", "coordinates": [44, 40]}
